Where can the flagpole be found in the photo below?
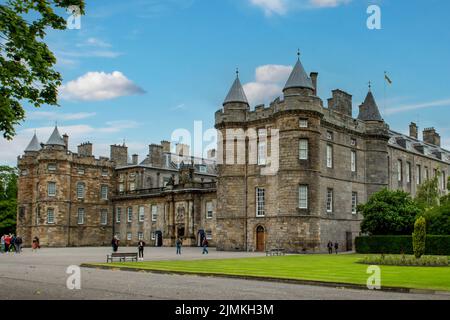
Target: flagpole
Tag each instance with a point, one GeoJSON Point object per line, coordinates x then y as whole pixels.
{"type": "Point", "coordinates": [384, 81]}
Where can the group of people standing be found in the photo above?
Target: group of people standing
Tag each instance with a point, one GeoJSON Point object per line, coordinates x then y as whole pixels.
{"type": "Point", "coordinates": [141, 245]}
{"type": "Point", "coordinates": [11, 243]}
{"type": "Point", "coordinates": [330, 247]}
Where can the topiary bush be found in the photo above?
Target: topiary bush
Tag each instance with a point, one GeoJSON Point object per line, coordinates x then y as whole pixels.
{"type": "Point", "coordinates": [419, 237]}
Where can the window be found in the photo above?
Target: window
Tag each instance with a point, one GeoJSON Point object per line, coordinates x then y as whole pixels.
{"type": "Point", "coordinates": [104, 217]}
{"type": "Point", "coordinates": [141, 214]}
{"type": "Point", "coordinates": [140, 236]}
{"type": "Point", "coordinates": [51, 167]}
{"type": "Point", "coordinates": [353, 142]}
{"type": "Point", "coordinates": [399, 170]}
{"type": "Point", "coordinates": [208, 234]}
{"type": "Point", "coordinates": [303, 123]}
{"type": "Point", "coordinates": [50, 216]}
{"type": "Point", "coordinates": [353, 160]}
{"type": "Point", "coordinates": [80, 216]}
{"type": "Point", "coordinates": [260, 202]}
{"type": "Point", "coordinates": [262, 147]}
{"type": "Point", "coordinates": [203, 169]}
{"type": "Point", "coordinates": [104, 172]}
{"type": "Point", "coordinates": [129, 236]}
{"type": "Point", "coordinates": [209, 210]}
{"type": "Point", "coordinates": [435, 172]}
{"type": "Point", "coordinates": [24, 172]}
{"type": "Point", "coordinates": [80, 190]}
{"type": "Point", "coordinates": [329, 156]}
{"type": "Point", "coordinates": [303, 149]}
{"type": "Point", "coordinates": [408, 172]}
{"type": "Point", "coordinates": [329, 135]}
{"type": "Point", "coordinates": [80, 171]}
{"type": "Point", "coordinates": [121, 187]}
{"type": "Point", "coordinates": [104, 192]}
{"type": "Point", "coordinates": [303, 197]}
{"type": "Point", "coordinates": [38, 215]}
{"type": "Point", "coordinates": [443, 181]}
{"type": "Point", "coordinates": [132, 186]}
{"type": "Point", "coordinates": [419, 174]}
{"type": "Point", "coordinates": [153, 235]}
{"type": "Point", "coordinates": [129, 214]}
{"type": "Point", "coordinates": [329, 200]}
{"type": "Point", "coordinates": [118, 214]}
{"type": "Point", "coordinates": [51, 189]}
{"type": "Point", "coordinates": [154, 212]}
{"type": "Point", "coordinates": [354, 202]}
{"type": "Point", "coordinates": [427, 173]}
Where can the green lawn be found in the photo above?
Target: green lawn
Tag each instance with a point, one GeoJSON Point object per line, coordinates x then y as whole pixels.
{"type": "Point", "coordinates": [327, 268]}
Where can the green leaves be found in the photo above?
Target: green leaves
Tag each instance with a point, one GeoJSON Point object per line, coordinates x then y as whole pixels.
{"type": "Point", "coordinates": [419, 237]}
{"type": "Point", "coordinates": [389, 213]}
{"type": "Point", "coordinates": [26, 62]}
{"type": "Point", "coordinates": [8, 199]}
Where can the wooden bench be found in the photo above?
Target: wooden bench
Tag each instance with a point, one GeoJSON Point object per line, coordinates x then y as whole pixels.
{"type": "Point", "coordinates": [122, 256]}
{"type": "Point", "coordinates": [275, 252]}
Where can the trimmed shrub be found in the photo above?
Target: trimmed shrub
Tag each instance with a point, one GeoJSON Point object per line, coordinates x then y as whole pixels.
{"type": "Point", "coordinates": [403, 260]}
{"type": "Point", "coordinates": [419, 237]}
{"type": "Point", "coordinates": [436, 245]}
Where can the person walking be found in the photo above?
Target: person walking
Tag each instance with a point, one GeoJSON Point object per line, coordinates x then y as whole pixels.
{"type": "Point", "coordinates": [205, 246]}
{"type": "Point", "coordinates": [141, 245]}
{"type": "Point", "coordinates": [336, 247]}
{"type": "Point", "coordinates": [35, 245]}
{"type": "Point", "coordinates": [115, 244]}
{"type": "Point", "coordinates": [18, 244]}
{"type": "Point", "coordinates": [2, 243]}
{"type": "Point", "coordinates": [178, 244]}
{"type": "Point", "coordinates": [330, 247]}
{"type": "Point", "coordinates": [12, 246]}
{"type": "Point", "coordinates": [7, 242]}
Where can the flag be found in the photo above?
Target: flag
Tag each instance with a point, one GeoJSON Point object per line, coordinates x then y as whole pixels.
{"type": "Point", "coordinates": [387, 78]}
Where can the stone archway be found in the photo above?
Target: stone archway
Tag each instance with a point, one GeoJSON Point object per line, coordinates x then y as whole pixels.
{"type": "Point", "coordinates": [260, 239]}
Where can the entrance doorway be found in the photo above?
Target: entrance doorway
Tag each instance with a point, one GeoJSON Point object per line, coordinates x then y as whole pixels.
{"type": "Point", "coordinates": [349, 238]}
{"type": "Point", "coordinates": [159, 239]}
{"type": "Point", "coordinates": [180, 232]}
{"type": "Point", "coordinates": [260, 239]}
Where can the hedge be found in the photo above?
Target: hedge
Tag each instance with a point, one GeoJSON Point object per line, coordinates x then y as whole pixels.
{"type": "Point", "coordinates": [435, 245]}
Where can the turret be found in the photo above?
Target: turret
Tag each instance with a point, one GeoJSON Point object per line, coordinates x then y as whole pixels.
{"type": "Point", "coordinates": [33, 146]}
{"type": "Point", "coordinates": [56, 140]}
{"type": "Point", "coordinates": [299, 83]}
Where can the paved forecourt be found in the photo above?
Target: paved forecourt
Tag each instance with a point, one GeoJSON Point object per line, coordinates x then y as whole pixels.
{"type": "Point", "coordinates": [42, 275]}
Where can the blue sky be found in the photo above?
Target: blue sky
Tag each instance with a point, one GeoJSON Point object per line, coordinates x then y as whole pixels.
{"type": "Point", "coordinates": [138, 70]}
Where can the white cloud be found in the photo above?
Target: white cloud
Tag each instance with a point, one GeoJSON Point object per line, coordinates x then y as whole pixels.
{"type": "Point", "coordinates": [328, 3]}
{"type": "Point", "coordinates": [50, 115]}
{"type": "Point", "coordinates": [281, 7]}
{"type": "Point", "coordinates": [268, 84]}
{"type": "Point", "coordinates": [94, 42]}
{"type": "Point", "coordinates": [425, 105]}
{"type": "Point", "coordinates": [95, 86]}
{"type": "Point", "coordinates": [271, 6]}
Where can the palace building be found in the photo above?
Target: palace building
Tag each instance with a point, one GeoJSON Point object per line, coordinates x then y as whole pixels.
{"type": "Point", "coordinates": [289, 175]}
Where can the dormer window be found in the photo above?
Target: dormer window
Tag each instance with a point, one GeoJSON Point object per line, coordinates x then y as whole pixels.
{"type": "Point", "coordinates": [353, 142]}
{"type": "Point", "coordinates": [104, 172]}
{"type": "Point", "coordinates": [80, 171]}
{"type": "Point", "coordinates": [203, 169]}
{"type": "Point", "coordinates": [303, 123]}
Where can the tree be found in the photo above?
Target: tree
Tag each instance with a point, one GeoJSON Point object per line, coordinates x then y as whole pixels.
{"type": "Point", "coordinates": [428, 194]}
{"type": "Point", "coordinates": [8, 199]}
{"type": "Point", "coordinates": [419, 236]}
{"type": "Point", "coordinates": [389, 213]}
{"type": "Point", "coordinates": [438, 218]}
{"type": "Point", "coordinates": [26, 63]}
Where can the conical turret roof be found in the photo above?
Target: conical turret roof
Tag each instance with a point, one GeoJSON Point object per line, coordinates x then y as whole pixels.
{"type": "Point", "coordinates": [33, 145]}
{"type": "Point", "coordinates": [55, 138]}
{"type": "Point", "coordinates": [299, 78]}
{"type": "Point", "coordinates": [236, 93]}
{"type": "Point", "coordinates": [369, 111]}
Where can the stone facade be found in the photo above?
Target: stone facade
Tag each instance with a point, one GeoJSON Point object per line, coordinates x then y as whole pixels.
{"type": "Point", "coordinates": [328, 162]}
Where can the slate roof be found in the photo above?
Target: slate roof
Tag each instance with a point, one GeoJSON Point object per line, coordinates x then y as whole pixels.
{"type": "Point", "coordinates": [55, 138]}
{"type": "Point", "coordinates": [34, 145]}
{"type": "Point", "coordinates": [236, 93]}
{"type": "Point", "coordinates": [299, 78]}
{"type": "Point", "coordinates": [369, 111]}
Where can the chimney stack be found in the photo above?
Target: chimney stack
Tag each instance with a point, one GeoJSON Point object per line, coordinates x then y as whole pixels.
{"type": "Point", "coordinates": [431, 136]}
{"type": "Point", "coordinates": [134, 158]}
{"type": "Point", "coordinates": [314, 76]}
{"type": "Point", "coordinates": [166, 146]}
{"type": "Point", "coordinates": [182, 150]}
{"type": "Point", "coordinates": [119, 154]}
{"type": "Point", "coordinates": [66, 140]}
{"type": "Point", "coordinates": [413, 131]}
{"type": "Point", "coordinates": [156, 155]}
{"type": "Point", "coordinates": [85, 149]}
{"type": "Point", "coordinates": [212, 154]}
